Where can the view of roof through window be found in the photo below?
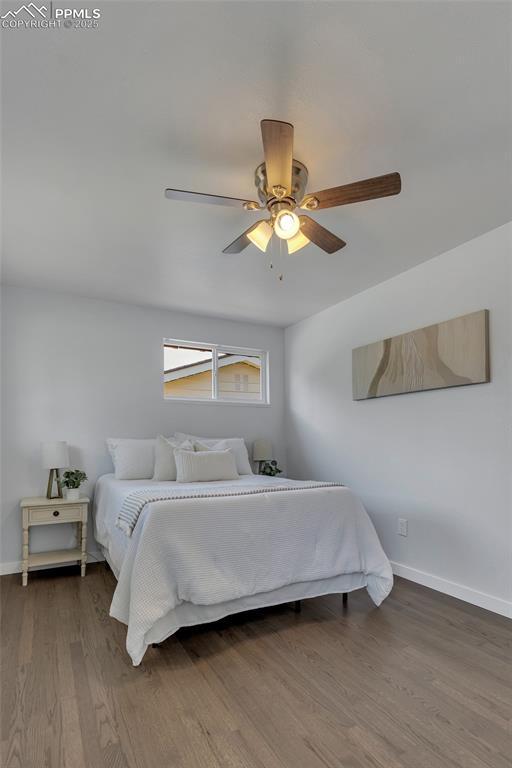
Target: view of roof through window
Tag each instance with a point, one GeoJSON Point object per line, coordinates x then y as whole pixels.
{"type": "Point", "coordinates": [178, 357]}
{"type": "Point", "coordinates": [188, 373]}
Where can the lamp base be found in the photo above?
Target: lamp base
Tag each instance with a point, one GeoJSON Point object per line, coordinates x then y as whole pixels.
{"type": "Point", "coordinates": [54, 476]}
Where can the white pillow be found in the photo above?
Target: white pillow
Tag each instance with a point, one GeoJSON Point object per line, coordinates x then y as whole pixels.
{"type": "Point", "coordinates": [133, 459]}
{"type": "Point", "coordinates": [165, 464]}
{"type": "Point", "coordinates": [236, 444]}
{"type": "Point", "coordinates": [204, 467]}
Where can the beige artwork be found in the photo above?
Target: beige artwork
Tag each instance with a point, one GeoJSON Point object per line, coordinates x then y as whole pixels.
{"type": "Point", "coordinates": [449, 354]}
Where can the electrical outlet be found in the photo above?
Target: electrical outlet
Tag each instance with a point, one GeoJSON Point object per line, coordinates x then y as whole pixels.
{"type": "Point", "coordinates": [402, 526]}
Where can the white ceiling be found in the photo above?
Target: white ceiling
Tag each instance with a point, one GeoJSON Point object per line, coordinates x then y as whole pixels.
{"type": "Point", "coordinates": [96, 123]}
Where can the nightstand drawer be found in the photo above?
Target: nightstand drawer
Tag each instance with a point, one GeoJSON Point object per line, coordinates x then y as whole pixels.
{"type": "Point", "coordinates": [54, 514]}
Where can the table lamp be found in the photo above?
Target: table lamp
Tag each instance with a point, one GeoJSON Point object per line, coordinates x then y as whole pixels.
{"type": "Point", "coordinates": [55, 456]}
{"type": "Point", "coordinates": [261, 451]}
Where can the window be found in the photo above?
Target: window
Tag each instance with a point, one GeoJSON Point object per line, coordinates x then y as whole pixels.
{"type": "Point", "coordinates": [195, 371]}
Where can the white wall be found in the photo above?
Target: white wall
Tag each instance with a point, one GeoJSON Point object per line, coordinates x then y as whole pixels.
{"type": "Point", "coordinates": [82, 370]}
{"type": "Point", "coordinates": [441, 459]}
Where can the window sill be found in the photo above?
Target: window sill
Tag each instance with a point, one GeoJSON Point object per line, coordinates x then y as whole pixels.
{"type": "Point", "coordinates": [250, 403]}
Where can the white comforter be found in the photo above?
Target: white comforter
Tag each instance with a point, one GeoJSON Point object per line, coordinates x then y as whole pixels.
{"type": "Point", "coordinates": [208, 551]}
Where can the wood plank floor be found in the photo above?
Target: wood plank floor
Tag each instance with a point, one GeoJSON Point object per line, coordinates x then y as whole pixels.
{"type": "Point", "coordinates": [423, 682]}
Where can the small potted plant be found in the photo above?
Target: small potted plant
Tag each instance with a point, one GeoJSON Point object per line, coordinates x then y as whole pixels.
{"type": "Point", "coordinates": [270, 468]}
{"type": "Point", "coordinates": [71, 481]}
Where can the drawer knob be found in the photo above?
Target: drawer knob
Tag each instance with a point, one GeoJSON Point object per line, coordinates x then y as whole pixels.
{"type": "Point", "coordinates": [56, 513]}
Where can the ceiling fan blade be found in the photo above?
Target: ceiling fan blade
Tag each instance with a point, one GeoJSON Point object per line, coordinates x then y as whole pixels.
{"type": "Point", "coordinates": [201, 197]}
{"type": "Point", "coordinates": [369, 189]}
{"type": "Point", "coordinates": [259, 234]}
{"type": "Point", "coordinates": [278, 148]}
{"type": "Point", "coordinates": [320, 235]}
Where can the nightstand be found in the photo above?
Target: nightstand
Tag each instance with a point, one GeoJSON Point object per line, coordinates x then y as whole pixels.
{"type": "Point", "coordinates": [43, 511]}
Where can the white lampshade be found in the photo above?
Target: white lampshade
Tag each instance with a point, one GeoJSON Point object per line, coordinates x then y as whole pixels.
{"type": "Point", "coordinates": [55, 455]}
{"type": "Point", "coordinates": [261, 450]}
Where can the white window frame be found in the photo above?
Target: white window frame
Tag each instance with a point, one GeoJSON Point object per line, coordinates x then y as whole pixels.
{"type": "Point", "coordinates": [264, 400]}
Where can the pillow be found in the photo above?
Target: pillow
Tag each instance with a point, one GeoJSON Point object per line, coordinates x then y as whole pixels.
{"type": "Point", "coordinates": [133, 459]}
{"type": "Point", "coordinates": [165, 464]}
{"type": "Point", "coordinates": [236, 444]}
{"type": "Point", "coordinates": [205, 466]}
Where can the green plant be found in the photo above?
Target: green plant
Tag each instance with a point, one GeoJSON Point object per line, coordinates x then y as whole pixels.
{"type": "Point", "coordinates": [72, 478]}
{"type": "Point", "coordinates": [270, 468]}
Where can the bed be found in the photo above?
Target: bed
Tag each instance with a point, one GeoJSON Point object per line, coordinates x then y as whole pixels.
{"type": "Point", "coordinates": [198, 552]}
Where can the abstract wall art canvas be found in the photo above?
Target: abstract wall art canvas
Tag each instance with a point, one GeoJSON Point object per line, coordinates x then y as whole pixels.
{"type": "Point", "coordinates": [449, 354]}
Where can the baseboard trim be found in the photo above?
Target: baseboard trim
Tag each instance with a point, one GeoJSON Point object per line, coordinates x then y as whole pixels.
{"type": "Point", "coordinates": [468, 595]}
{"type": "Point", "coordinates": [15, 566]}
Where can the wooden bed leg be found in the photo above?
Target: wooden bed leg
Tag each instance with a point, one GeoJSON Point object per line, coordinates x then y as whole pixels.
{"type": "Point", "coordinates": [297, 606]}
{"type": "Point", "coordinates": [345, 598]}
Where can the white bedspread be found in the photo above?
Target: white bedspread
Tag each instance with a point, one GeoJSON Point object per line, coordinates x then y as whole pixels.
{"type": "Point", "coordinates": [209, 551]}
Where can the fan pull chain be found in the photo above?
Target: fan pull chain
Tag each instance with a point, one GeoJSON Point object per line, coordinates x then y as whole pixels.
{"type": "Point", "coordinates": [276, 257]}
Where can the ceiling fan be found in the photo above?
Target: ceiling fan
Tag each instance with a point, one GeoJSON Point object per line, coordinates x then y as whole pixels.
{"type": "Point", "coordinates": [281, 182]}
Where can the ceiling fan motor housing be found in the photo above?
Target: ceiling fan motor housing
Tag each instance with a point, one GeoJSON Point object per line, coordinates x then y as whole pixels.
{"type": "Point", "coordinates": [299, 184]}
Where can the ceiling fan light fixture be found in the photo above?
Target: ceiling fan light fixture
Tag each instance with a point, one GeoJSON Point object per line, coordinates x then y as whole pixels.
{"type": "Point", "coordinates": [297, 242]}
{"type": "Point", "coordinates": [260, 234]}
{"type": "Point", "coordinates": [286, 224]}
